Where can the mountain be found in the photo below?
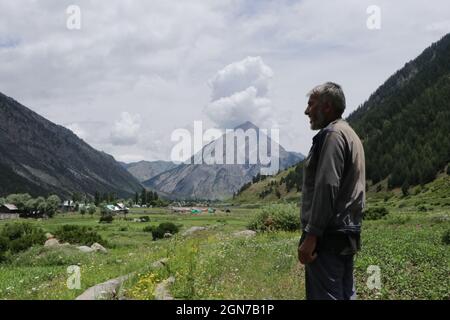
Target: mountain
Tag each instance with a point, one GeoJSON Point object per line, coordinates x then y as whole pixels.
{"type": "Point", "coordinates": [405, 124]}
{"type": "Point", "coordinates": [40, 157]}
{"type": "Point", "coordinates": [196, 180]}
{"type": "Point", "coordinates": [145, 170]}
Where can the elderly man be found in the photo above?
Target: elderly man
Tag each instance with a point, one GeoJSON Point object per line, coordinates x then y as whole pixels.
{"type": "Point", "coordinates": [333, 198]}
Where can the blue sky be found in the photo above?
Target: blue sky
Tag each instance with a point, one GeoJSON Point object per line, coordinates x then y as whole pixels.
{"type": "Point", "coordinates": [137, 70]}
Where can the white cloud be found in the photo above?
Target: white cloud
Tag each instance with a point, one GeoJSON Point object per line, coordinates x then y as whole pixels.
{"type": "Point", "coordinates": [239, 76]}
{"type": "Point", "coordinates": [126, 130]}
{"type": "Point", "coordinates": [229, 112]}
{"type": "Point", "coordinates": [240, 93]}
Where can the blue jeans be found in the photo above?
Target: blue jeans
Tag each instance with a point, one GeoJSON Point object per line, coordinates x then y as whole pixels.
{"type": "Point", "coordinates": [330, 277]}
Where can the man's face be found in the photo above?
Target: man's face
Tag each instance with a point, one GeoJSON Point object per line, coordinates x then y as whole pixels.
{"type": "Point", "coordinates": [315, 112]}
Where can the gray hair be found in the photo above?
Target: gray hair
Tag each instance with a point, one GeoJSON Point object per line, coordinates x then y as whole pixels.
{"type": "Point", "coordinates": [330, 92]}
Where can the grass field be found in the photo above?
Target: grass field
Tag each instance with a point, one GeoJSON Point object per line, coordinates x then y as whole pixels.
{"type": "Point", "coordinates": [214, 264]}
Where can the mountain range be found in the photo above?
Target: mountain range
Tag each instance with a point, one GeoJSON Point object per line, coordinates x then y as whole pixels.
{"type": "Point", "coordinates": [40, 157]}
{"type": "Point", "coordinates": [219, 181]}
{"type": "Point", "coordinates": [145, 170]}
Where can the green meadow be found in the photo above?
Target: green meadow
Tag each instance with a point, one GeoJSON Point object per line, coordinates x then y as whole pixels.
{"type": "Point", "coordinates": [407, 246]}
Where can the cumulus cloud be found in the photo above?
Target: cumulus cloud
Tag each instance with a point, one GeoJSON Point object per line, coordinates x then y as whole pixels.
{"type": "Point", "coordinates": [126, 130]}
{"type": "Point", "coordinates": [238, 76]}
{"type": "Point", "coordinates": [240, 93]}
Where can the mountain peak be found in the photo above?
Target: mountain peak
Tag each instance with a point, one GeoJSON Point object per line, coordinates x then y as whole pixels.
{"type": "Point", "coordinates": [247, 125]}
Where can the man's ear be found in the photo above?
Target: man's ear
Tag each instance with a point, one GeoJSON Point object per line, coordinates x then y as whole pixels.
{"type": "Point", "coordinates": [328, 108]}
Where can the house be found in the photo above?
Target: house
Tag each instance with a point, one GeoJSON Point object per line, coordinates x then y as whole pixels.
{"type": "Point", "coordinates": [8, 211]}
{"type": "Point", "coordinates": [68, 205]}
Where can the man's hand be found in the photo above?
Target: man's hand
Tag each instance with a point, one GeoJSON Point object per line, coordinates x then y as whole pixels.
{"type": "Point", "coordinates": [305, 251]}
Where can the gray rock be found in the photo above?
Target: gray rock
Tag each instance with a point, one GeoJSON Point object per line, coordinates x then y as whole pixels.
{"type": "Point", "coordinates": [162, 289]}
{"type": "Point", "coordinates": [85, 249]}
{"type": "Point", "coordinates": [192, 230]}
{"type": "Point", "coordinates": [98, 247]}
{"type": "Point", "coordinates": [51, 243]}
{"type": "Point", "coordinates": [104, 291]}
{"type": "Point", "coordinates": [160, 263]}
{"type": "Point", "coordinates": [49, 236]}
{"type": "Point", "coordinates": [168, 235]}
{"type": "Point", "coordinates": [245, 233]}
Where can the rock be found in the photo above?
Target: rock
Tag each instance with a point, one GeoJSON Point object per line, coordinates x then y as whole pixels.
{"type": "Point", "coordinates": [49, 236]}
{"type": "Point", "coordinates": [192, 230]}
{"type": "Point", "coordinates": [106, 290]}
{"type": "Point", "coordinates": [168, 235]}
{"type": "Point", "coordinates": [51, 243]}
{"type": "Point", "coordinates": [98, 247]}
{"type": "Point", "coordinates": [85, 249]}
{"type": "Point", "coordinates": [160, 263]}
{"type": "Point", "coordinates": [245, 233]}
{"type": "Point", "coordinates": [162, 289]}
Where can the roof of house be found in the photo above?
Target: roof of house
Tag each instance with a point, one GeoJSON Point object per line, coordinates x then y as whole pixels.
{"type": "Point", "coordinates": [10, 206]}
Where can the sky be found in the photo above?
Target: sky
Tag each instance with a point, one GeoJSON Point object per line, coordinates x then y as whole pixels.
{"type": "Point", "coordinates": [135, 71]}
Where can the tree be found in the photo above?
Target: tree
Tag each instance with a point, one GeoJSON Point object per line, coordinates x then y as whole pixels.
{"type": "Point", "coordinates": [92, 209]}
{"type": "Point", "coordinates": [405, 188]}
{"type": "Point", "coordinates": [76, 197]}
{"type": "Point", "coordinates": [83, 210]}
{"type": "Point", "coordinates": [53, 202]}
{"type": "Point", "coordinates": [136, 198]}
{"type": "Point", "coordinates": [19, 200]}
{"type": "Point", "coordinates": [143, 196]}
{"type": "Point", "coordinates": [97, 198]}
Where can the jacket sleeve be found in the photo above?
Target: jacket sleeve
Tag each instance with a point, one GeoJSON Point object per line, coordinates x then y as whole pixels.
{"type": "Point", "coordinates": [330, 169]}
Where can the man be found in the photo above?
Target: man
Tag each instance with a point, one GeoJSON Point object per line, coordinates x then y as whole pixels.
{"type": "Point", "coordinates": [333, 197]}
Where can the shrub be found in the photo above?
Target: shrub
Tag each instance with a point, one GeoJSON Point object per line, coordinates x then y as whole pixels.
{"type": "Point", "coordinates": [92, 209]}
{"type": "Point", "coordinates": [106, 218]}
{"type": "Point", "coordinates": [3, 247]}
{"type": "Point", "coordinates": [165, 227]}
{"type": "Point", "coordinates": [18, 237]}
{"type": "Point", "coordinates": [375, 213]}
{"type": "Point", "coordinates": [81, 235]}
{"type": "Point", "coordinates": [422, 208]}
{"type": "Point", "coordinates": [398, 220]}
{"type": "Point", "coordinates": [276, 217]}
{"type": "Point", "coordinates": [148, 229]}
{"type": "Point", "coordinates": [446, 237]}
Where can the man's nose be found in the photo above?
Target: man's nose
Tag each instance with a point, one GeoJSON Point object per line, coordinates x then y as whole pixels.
{"type": "Point", "coordinates": [307, 111]}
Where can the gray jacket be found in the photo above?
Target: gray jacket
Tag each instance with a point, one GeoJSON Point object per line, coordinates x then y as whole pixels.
{"type": "Point", "coordinates": [333, 194]}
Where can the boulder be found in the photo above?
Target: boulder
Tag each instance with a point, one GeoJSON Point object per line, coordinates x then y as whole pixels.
{"type": "Point", "coordinates": [98, 247]}
{"type": "Point", "coordinates": [51, 243]}
{"type": "Point", "coordinates": [192, 230]}
{"type": "Point", "coordinates": [103, 291]}
{"type": "Point", "coordinates": [162, 289]}
{"type": "Point", "coordinates": [49, 236]}
{"type": "Point", "coordinates": [85, 249]}
{"type": "Point", "coordinates": [160, 263]}
{"type": "Point", "coordinates": [245, 233]}
{"type": "Point", "coordinates": [168, 235]}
